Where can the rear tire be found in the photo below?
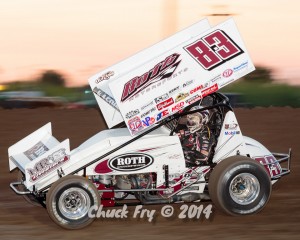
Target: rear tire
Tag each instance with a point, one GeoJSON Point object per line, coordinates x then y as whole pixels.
{"type": "Point", "coordinates": [239, 186]}
{"type": "Point", "coordinates": [69, 200]}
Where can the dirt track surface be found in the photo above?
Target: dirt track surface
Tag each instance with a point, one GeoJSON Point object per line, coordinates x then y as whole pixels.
{"type": "Point", "coordinates": [277, 128]}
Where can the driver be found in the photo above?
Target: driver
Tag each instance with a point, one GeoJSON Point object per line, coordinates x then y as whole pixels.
{"type": "Point", "coordinates": [196, 138]}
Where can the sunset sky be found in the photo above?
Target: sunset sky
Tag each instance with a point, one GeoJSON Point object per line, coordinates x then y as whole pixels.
{"type": "Point", "coordinates": [80, 38]}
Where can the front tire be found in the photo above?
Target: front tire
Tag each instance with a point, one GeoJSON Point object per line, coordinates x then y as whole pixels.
{"type": "Point", "coordinates": [69, 200]}
{"type": "Point", "coordinates": [239, 186]}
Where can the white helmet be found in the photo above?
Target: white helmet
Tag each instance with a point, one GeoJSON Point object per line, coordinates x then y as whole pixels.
{"type": "Point", "coordinates": [196, 120]}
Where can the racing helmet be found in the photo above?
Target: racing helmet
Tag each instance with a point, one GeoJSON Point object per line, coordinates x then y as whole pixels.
{"type": "Point", "coordinates": [196, 120]}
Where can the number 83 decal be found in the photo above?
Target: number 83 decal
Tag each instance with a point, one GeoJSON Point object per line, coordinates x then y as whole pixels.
{"type": "Point", "coordinates": [213, 49]}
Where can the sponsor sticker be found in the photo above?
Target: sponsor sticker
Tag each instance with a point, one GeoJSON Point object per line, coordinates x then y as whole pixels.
{"type": "Point", "coordinates": [148, 112]}
{"type": "Point", "coordinates": [135, 124]}
{"type": "Point", "coordinates": [111, 101]}
{"type": "Point", "coordinates": [227, 73]}
{"type": "Point", "coordinates": [210, 90]}
{"type": "Point", "coordinates": [48, 164]}
{"type": "Point", "coordinates": [192, 188]}
{"type": "Point", "coordinates": [130, 162]}
{"type": "Point", "coordinates": [174, 90]}
{"type": "Point", "coordinates": [165, 104]}
{"type": "Point", "coordinates": [187, 83]}
{"type": "Point", "coordinates": [216, 78]}
{"type": "Point", "coordinates": [174, 156]}
{"type": "Point", "coordinates": [196, 89]}
{"type": "Point", "coordinates": [178, 107]}
{"type": "Point", "coordinates": [132, 113]}
{"type": "Point", "coordinates": [161, 98]}
{"type": "Point", "coordinates": [105, 76]}
{"type": "Point", "coordinates": [148, 121]}
{"type": "Point", "coordinates": [36, 151]}
{"type": "Point", "coordinates": [162, 115]}
{"type": "Point", "coordinates": [193, 99]}
{"type": "Point", "coordinates": [181, 96]}
{"type": "Point", "coordinates": [147, 105]}
{"type": "Point", "coordinates": [230, 133]}
{"type": "Point", "coordinates": [223, 83]}
{"type": "Point", "coordinates": [240, 67]}
{"type": "Point", "coordinates": [160, 71]}
{"type": "Point", "coordinates": [231, 126]}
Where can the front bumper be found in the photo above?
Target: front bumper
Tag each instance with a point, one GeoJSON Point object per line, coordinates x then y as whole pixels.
{"type": "Point", "coordinates": [282, 158]}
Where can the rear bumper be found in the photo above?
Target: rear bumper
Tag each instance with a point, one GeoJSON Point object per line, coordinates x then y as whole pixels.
{"type": "Point", "coordinates": [14, 186]}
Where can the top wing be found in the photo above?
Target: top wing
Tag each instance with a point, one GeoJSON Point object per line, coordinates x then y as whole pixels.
{"type": "Point", "coordinates": [173, 74]}
{"type": "Point", "coordinates": [100, 81]}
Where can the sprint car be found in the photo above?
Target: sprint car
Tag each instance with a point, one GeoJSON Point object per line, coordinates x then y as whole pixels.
{"type": "Point", "coordinates": [156, 150]}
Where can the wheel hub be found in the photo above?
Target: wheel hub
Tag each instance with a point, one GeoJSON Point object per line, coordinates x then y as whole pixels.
{"type": "Point", "coordinates": [244, 188]}
{"type": "Point", "coordinates": [74, 203]}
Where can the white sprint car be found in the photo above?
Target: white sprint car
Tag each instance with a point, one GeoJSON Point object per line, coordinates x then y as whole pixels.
{"type": "Point", "coordinates": [182, 143]}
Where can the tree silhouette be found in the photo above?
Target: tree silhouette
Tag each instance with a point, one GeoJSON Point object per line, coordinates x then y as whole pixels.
{"type": "Point", "coordinates": [260, 74]}
{"type": "Point", "coordinates": [51, 77]}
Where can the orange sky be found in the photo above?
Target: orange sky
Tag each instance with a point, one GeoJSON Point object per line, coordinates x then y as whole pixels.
{"type": "Point", "coordinates": [80, 38]}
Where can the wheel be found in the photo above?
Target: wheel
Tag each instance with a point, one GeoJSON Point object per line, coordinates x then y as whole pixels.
{"type": "Point", "coordinates": [28, 197]}
{"type": "Point", "coordinates": [239, 186]}
{"type": "Point", "coordinates": [69, 200]}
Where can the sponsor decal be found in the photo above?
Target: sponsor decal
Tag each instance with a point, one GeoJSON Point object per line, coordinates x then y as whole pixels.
{"type": "Point", "coordinates": [37, 150]}
{"type": "Point", "coordinates": [192, 188]}
{"type": "Point", "coordinates": [148, 121]}
{"type": "Point", "coordinates": [48, 164]}
{"type": "Point", "coordinates": [241, 66]}
{"type": "Point", "coordinates": [148, 112]}
{"type": "Point", "coordinates": [227, 73]}
{"type": "Point", "coordinates": [110, 100]}
{"type": "Point", "coordinates": [223, 83]}
{"type": "Point", "coordinates": [181, 96]}
{"type": "Point", "coordinates": [135, 124]}
{"type": "Point", "coordinates": [165, 104]}
{"type": "Point", "coordinates": [175, 156]}
{"type": "Point", "coordinates": [271, 165]}
{"type": "Point", "coordinates": [193, 99]}
{"type": "Point", "coordinates": [130, 162]}
{"type": "Point", "coordinates": [160, 71]}
{"type": "Point", "coordinates": [231, 126]}
{"type": "Point", "coordinates": [174, 90]}
{"type": "Point", "coordinates": [105, 76]}
{"type": "Point", "coordinates": [156, 85]}
{"type": "Point", "coordinates": [210, 90]}
{"type": "Point", "coordinates": [216, 78]}
{"type": "Point", "coordinates": [147, 105]}
{"type": "Point", "coordinates": [162, 115]}
{"type": "Point", "coordinates": [230, 133]}
{"type": "Point", "coordinates": [196, 89]}
{"type": "Point", "coordinates": [178, 107]}
{"type": "Point", "coordinates": [213, 50]}
{"type": "Point", "coordinates": [161, 98]}
{"type": "Point", "coordinates": [187, 83]}
{"type": "Point", "coordinates": [132, 113]}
